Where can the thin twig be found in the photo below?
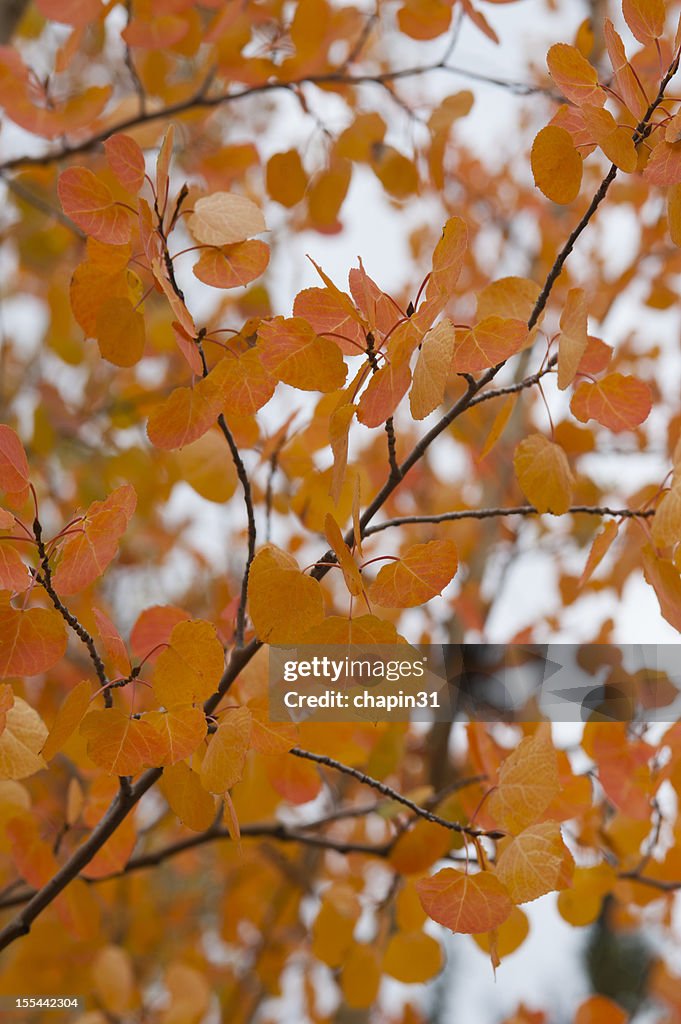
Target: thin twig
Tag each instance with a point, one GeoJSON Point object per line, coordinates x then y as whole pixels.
{"type": "Point", "coordinates": [392, 794]}
{"type": "Point", "coordinates": [518, 510]}
{"type": "Point", "coordinates": [44, 578]}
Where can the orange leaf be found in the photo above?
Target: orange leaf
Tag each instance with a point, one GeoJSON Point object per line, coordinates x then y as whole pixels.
{"type": "Point", "coordinates": [465, 903]}
{"type": "Point", "coordinates": [176, 304]}
{"type": "Point", "coordinates": [293, 779]}
{"type": "Point", "coordinates": [286, 178]}
{"type": "Point", "coordinates": [535, 862]}
{"type": "Point", "coordinates": [556, 165]}
{"type": "Point", "coordinates": [339, 430]}
{"type": "Point", "coordinates": [600, 1010]}
{"type": "Point", "coordinates": [190, 667]}
{"type": "Point", "coordinates": [489, 343]}
{"type": "Point", "coordinates": [13, 572]}
{"type": "Point", "coordinates": [626, 82]}
{"type": "Point", "coordinates": [667, 521]}
{"type": "Point", "coordinates": [78, 13]}
{"type": "Point", "coordinates": [69, 717]}
{"type": "Point", "coordinates": [448, 258]}
{"type": "Point", "coordinates": [223, 765]}
{"type": "Point", "coordinates": [120, 332]}
{"type": "Point", "coordinates": [119, 744]}
{"type": "Point", "coordinates": [617, 402]}
{"type": "Point", "coordinates": [244, 384]}
{"type": "Point", "coordinates": [615, 140]}
{"type": "Point", "coordinates": [528, 782]}
{"type": "Point", "coordinates": [282, 601]}
{"type": "Point", "coordinates": [353, 580]}
{"type": "Point", "coordinates": [90, 204]}
{"type": "Point", "coordinates": [419, 575]}
{"type": "Point", "coordinates": [361, 976]}
{"type": "Point", "coordinates": [499, 425]}
{"type": "Point", "coordinates": [663, 577]}
{"type": "Point", "coordinates": [432, 370]}
{"type": "Point", "coordinates": [599, 549]}
{"type": "Point", "coordinates": [292, 352]}
{"type": "Point", "coordinates": [224, 218]}
{"type": "Point", "coordinates": [512, 297]}
{"type": "Point", "coordinates": [383, 394]}
{"type": "Point", "coordinates": [153, 627]}
{"type": "Point", "coordinates": [573, 339]}
{"type": "Point", "coordinates": [113, 642]}
{"type": "Point", "coordinates": [126, 160]}
{"type": "Point", "coordinates": [186, 415]}
{"type": "Point", "coordinates": [231, 266]}
{"type": "Point", "coordinates": [664, 166]}
{"type": "Point", "coordinates": [645, 18]}
{"type": "Point", "coordinates": [30, 641]}
{"type": "Point", "coordinates": [182, 730]}
{"type": "Point", "coordinates": [187, 798]}
{"type": "Point", "coordinates": [574, 75]}
{"type": "Point", "coordinates": [331, 312]}
{"type": "Point", "coordinates": [14, 472]}
{"type": "Point", "coordinates": [544, 474]}
{"type": "Point", "coordinates": [85, 555]}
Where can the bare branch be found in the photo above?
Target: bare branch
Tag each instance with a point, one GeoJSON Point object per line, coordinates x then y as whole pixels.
{"type": "Point", "coordinates": [518, 510]}
{"type": "Point", "coordinates": [392, 794]}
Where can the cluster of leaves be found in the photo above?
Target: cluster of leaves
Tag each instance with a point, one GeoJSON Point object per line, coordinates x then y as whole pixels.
{"type": "Point", "coordinates": [143, 846]}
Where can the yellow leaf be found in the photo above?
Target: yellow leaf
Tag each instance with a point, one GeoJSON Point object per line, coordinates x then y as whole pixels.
{"type": "Point", "coordinates": [120, 332]}
{"type": "Point", "coordinates": [574, 339]}
{"type": "Point", "coordinates": [223, 765]}
{"type": "Point", "coordinates": [413, 957]}
{"type": "Point", "coordinates": [190, 667]}
{"type": "Point", "coordinates": [361, 976]}
{"type": "Point", "coordinates": [432, 370]}
{"type": "Point", "coordinates": [556, 165]}
{"type": "Point", "coordinates": [187, 798]}
{"type": "Point", "coordinates": [544, 474]}
{"type": "Point", "coordinates": [535, 862]}
{"type": "Point", "coordinates": [353, 580]}
{"type": "Point", "coordinates": [182, 730]}
{"type": "Point", "coordinates": [283, 602]}
{"type": "Point", "coordinates": [506, 937]}
{"type": "Point", "coordinates": [21, 740]}
{"type": "Point", "coordinates": [667, 521]}
{"type": "Point", "coordinates": [207, 467]}
{"type": "Point", "coordinates": [528, 782]}
{"type": "Point", "coordinates": [113, 979]}
{"type": "Point", "coordinates": [68, 718]}
{"type": "Point", "coordinates": [499, 425]}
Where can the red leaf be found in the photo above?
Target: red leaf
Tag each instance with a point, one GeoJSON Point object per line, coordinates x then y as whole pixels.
{"type": "Point", "coordinates": [465, 903]}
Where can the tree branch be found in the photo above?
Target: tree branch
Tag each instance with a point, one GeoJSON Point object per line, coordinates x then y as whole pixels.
{"type": "Point", "coordinates": [200, 101]}
{"type": "Point", "coordinates": [518, 510]}
{"type": "Point", "coordinates": [44, 578]}
{"type": "Point", "coordinates": [392, 794]}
